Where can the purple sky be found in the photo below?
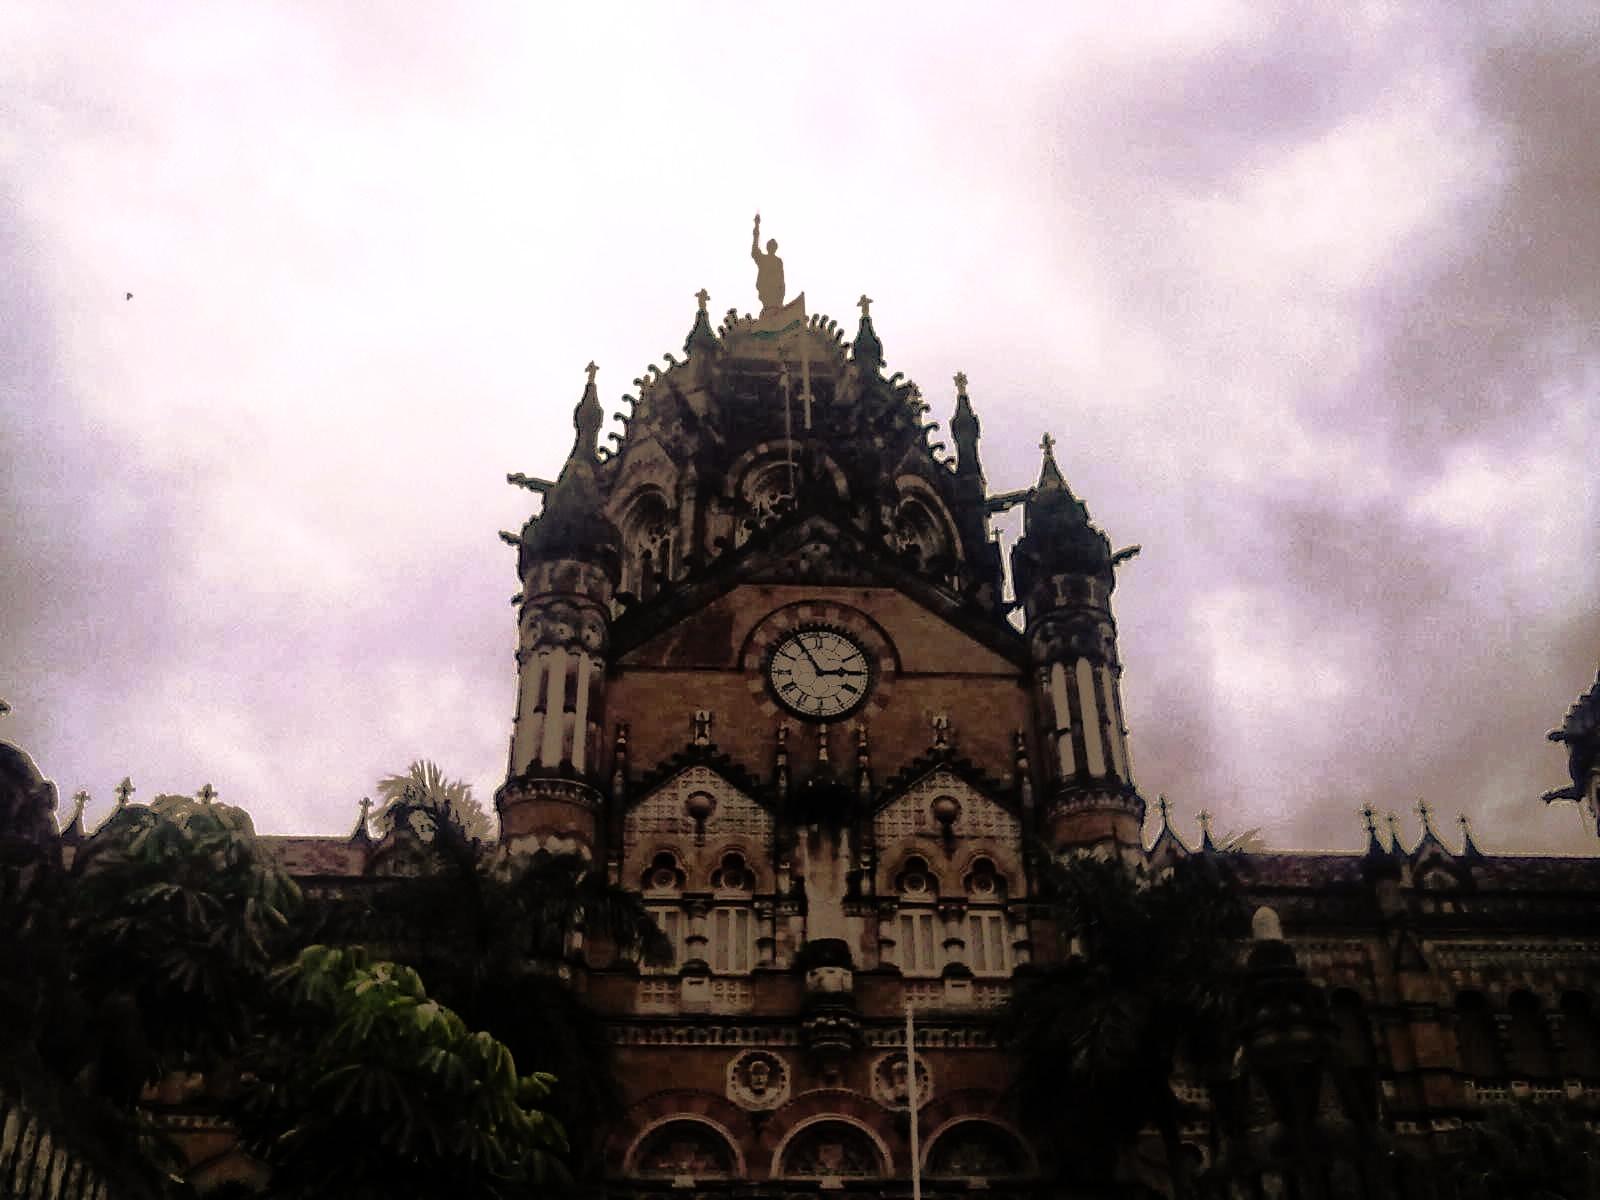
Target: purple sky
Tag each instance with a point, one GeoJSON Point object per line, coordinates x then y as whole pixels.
{"type": "Point", "coordinates": [1310, 302]}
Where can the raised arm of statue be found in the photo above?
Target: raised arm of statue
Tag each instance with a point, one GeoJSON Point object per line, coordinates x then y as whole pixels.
{"type": "Point", "coordinates": [755, 240]}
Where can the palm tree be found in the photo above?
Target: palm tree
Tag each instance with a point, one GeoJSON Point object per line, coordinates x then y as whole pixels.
{"type": "Point", "coordinates": [1146, 981]}
{"type": "Point", "coordinates": [430, 795]}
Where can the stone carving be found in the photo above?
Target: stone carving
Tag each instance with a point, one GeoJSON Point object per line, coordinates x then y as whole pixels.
{"type": "Point", "coordinates": [685, 1149]}
{"type": "Point", "coordinates": [891, 1085]}
{"type": "Point", "coordinates": [831, 1149]}
{"type": "Point", "coordinates": [912, 814]}
{"type": "Point", "coordinates": [758, 1080]}
{"type": "Point", "coordinates": [666, 812]}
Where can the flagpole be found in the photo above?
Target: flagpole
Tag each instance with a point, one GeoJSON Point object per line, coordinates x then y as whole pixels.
{"type": "Point", "coordinates": [911, 1103]}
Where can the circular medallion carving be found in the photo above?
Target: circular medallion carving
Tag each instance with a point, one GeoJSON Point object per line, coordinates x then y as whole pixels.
{"type": "Point", "coordinates": [890, 1086]}
{"type": "Point", "coordinates": [758, 1080]}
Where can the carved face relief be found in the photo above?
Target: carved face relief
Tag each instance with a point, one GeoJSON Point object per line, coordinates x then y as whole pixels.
{"type": "Point", "coordinates": [593, 633]}
{"type": "Point", "coordinates": [757, 1080]}
{"type": "Point", "coordinates": [891, 1082]}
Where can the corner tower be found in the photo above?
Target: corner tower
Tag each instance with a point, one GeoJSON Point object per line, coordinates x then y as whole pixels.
{"type": "Point", "coordinates": [568, 560]}
{"type": "Point", "coordinates": [1064, 573]}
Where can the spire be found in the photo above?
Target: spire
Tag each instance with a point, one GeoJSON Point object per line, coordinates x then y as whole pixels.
{"type": "Point", "coordinates": [1050, 478]}
{"type": "Point", "coordinates": [587, 419]}
{"type": "Point", "coordinates": [1396, 850]}
{"type": "Point", "coordinates": [1207, 846]}
{"type": "Point", "coordinates": [964, 428]}
{"type": "Point", "coordinates": [1167, 839]}
{"type": "Point", "coordinates": [572, 523]}
{"type": "Point", "coordinates": [700, 333]}
{"type": "Point", "coordinates": [1374, 843]}
{"type": "Point", "coordinates": [1469, 848]}
{"type": "Point", "coordinates": [1425, 811]}
{"type": "Point", "coordinates": [73, 832]}
{"type": "Point", "coordinates": [362, 833]}
{"type": "Point", "coordinates": [867, 350]}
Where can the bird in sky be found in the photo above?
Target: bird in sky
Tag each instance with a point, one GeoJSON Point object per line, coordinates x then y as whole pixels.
{"type": "Point", "coordinates": [129, 296]}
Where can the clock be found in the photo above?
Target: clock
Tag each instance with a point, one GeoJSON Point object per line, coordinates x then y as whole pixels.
{"type": "Point", "coordinates": [819, 673]}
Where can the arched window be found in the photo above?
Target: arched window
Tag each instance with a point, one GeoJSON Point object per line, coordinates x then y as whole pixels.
{"type": "Point", "coordinates": [976, 1150]}
{"type": "Point", "coordinates": [832, 1150]}
{"type": "Point", "coordinates": [1475, 1037]}
{"type": "Point", "coordinates": [1581, 1058]}
{"type": "Point", "coordinates": [1530, 1056]}
{"type": "Point", "coordinates": [920, 940]}
{"type": "Point", "coordinates": [663, 899]}
{"type": "Point", "coordinates": [648, 531]}
{"type": "Point", "coordinates": [684, 1149]}
{"type": "Point", "coordinates": [988, 938]}
{"type": "Point", "coordinates": [733, 927]}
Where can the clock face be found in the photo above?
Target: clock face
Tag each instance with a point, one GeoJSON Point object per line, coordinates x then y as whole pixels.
{"type": "Point", "coordinates": [819, 673]}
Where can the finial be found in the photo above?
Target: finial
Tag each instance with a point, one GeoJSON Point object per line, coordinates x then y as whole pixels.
{"type": "Point", "coordinates": [80, 800]}
{"type": "Point", "coordinates": [1469, 849]}
{"type": "Point", "coordinates": [592, 370]}
{"type": "Point", "coordinates": [865, 305]}
{"type": "Point", "coordinates": [361, 833]}
{"type": "Point", "coordinates": [702, 727]}
{"type": "Point", "coordinates": [704, 297]}
{"type": "Point", "coordinates": [1205, 831]}
{"type": "Point", "coordinates": [961, 383]}
{"type": "Point", "coordinates": [1426, 813]}
{"type": "Point", "coordinates": [206, 794]}
{"type": "Point", "coordinates": [941, 731]}
{"type": "Point", "coordinates": [1164, 809]}
{"type": "Point", "coordinates": [1048, 445]}
{"type": "Point", "coordinates": [1395, 847]}
{"type": "Point", "coordinates": [1369, 815]}
{"type": "Point", "coordinates": [124, 790]}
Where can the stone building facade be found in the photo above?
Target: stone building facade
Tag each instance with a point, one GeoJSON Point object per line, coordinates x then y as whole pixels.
{"type": "Point", "coordinates": [772, 676]}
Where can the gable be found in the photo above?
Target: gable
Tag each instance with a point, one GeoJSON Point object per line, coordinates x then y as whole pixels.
{"type": "Point", "coordinates": [910, 814]}
{"type": "Point", "coordinates": [661, 820]}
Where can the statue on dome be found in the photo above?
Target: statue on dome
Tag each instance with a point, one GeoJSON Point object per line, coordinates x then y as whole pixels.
{"type": "Point", "coordinates": [769, 271]}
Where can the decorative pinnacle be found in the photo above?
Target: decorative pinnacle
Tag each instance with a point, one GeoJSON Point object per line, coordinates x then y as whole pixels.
{"type": "Point", "coordinates": [592, 370]}
{"type": "Point", "coordinates": [865, 305]}
{"type": "Point", "coordinates": [1047, 444]}
{"type": "Point", "coordinates": [1204, 818]}
{"type": "Point", "coordinates": [1163, 808]}
{"type": "Point", "coordinates": [366, 806]}
{"type": "Point", "coordinates": [80, 798]}
{"type": "Point", "coordinates": [124, 790]}
{"type": "Point", "coordinates": [961, 383]}
{"type": "Point", "coordinates": [1369, 815]}
{"type": "Point", "coordinates": [1426, 813]}
{"type": "Point", "coordinates": [704, 297]}
{"type": "Point", "coordinates": [941, 731]}
{"type": "Point", "coordinates": [206, 794]}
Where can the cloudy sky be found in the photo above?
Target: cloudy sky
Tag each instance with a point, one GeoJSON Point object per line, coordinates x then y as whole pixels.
{"type": "Point", "coordinates": [1309, 297]}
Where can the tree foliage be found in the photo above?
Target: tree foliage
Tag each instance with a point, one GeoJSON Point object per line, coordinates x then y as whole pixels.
{"type": "Point", "coordinates": [1528, 1151]}
{"type": "Point", "coordinates": [1146, 979]}
{"type": "Point", "coordinates": [424, 796]}
{"type": "Point", "coordinates": [370, 1088]}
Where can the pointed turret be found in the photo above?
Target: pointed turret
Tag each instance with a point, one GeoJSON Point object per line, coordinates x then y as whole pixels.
{"type": "Point", "coordinates": [361, 835]}
{"type": "Point", "coordinates": [702, 338]}
{"type": "Point", "coordinates": [964, 428]}
{"type": "Point", "coordinates": [867, 351]}
{"type": "Point", "coordinates": [570, 559]}
{"type": "Point", "coordinates": [1062, 568]}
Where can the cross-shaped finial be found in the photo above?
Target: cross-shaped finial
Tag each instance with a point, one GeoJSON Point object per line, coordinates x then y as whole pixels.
{"type": "Point", "coordinates": [704, 297]}
{"type": "Point", "coordinates": [79, 799]}
{"type": "Point", "coordinates": [1466, 825]}
{"type": "Point", "coordinates": [961, 383]}
{"type": "Point", "coordinates": [1368, 813]}
{"type": "Point", "coordinates": [1205, 822]}
{"type": "Point", "coordinates": [1394, 826]}
{"type": "Point", "coordinates": [207, 794]}
{"type": "Point", "coordinates": [124, 790]}
{"type": "Point", "coordinates": [941, 730]}
{"type": "Point", "coordinates": [1425, 812]}
{"type": "Point", "coordinates": [366, 806]}
{"type": "Point", "coordinates": [865, 304]}
{"type": "Point", "coordinates": [1047, 444]}
{"type": "Point", "coordinates": [591, 369]}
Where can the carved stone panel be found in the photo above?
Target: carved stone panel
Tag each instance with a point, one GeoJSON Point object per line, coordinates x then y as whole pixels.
{"type": "Point", "coordinates": [758, 1080]}
{"type": "Point", "coordinates": [890, 1085]}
